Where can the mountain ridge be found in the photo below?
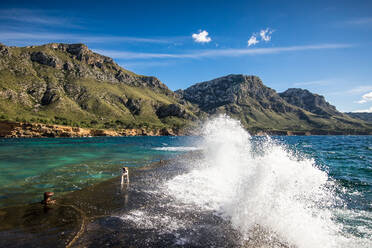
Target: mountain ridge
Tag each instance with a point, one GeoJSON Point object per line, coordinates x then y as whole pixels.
{"type": "Point", "coordinates": [68, 84]}
{"type": "Point", "coordinates": [261, 108]}
{"type": "Point", "coordinates": [365, 116]}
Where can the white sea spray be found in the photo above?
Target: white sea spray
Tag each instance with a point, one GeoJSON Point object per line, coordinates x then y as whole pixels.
{"type": "Point", "coordinates": [287, 197]}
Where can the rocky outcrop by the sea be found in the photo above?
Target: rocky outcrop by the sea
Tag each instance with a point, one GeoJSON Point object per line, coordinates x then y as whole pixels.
{"type": "Point", "coordinates": [37, 130]}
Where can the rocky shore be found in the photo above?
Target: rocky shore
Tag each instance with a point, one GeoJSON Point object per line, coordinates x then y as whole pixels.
{"type": "Point", "coordinates": [38, 130]}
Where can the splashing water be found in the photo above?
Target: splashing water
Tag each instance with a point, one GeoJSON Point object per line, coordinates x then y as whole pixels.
{"type": "Point", "coordinates": [266, 188]}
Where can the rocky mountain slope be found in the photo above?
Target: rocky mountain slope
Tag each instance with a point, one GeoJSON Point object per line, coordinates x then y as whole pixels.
{"type": "Point", "coordinates": [262, 109]}
{"type": "Point", "coordinates": [311, 102]}
{"type": "Point", "coordinates": [71, 85]}
{"type": "Point", "coordinates": [362, 116]}
{"type": "Point", "coordinates": [68, 84]}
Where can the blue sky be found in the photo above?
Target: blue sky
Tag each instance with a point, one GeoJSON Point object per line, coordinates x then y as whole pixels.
{"type": "Point", "coordinates": [324, 46]}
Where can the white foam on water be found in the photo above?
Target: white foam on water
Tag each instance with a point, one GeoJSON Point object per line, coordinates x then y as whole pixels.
{"type": "Point", "coordinates": [177, 148]}
{"type": "Point", "coordinates": [146, 220]}
{"type": "Point", "coordinates": [287, 196]}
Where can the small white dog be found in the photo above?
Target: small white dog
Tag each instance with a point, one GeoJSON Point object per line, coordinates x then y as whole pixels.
{"type": "Point", "coordinates": [124, 175]}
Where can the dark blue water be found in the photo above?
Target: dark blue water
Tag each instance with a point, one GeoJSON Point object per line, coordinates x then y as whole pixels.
{"type": "Point", "coordinates": [347, 159]}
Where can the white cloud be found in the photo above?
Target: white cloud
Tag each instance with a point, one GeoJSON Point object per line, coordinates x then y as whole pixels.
{"type": "Point", "coordinates": [366, 98]}
{"type": "Point", "coordinates": [266, 34]}
{"type": "Point", "coordinates": [363, 110]}
{"type": "Point", "coordinates": [218, 52]}
{"type": "Point", "coordinates": [253, 40]}
{"type": "Point", "coordinates": [201, 37]}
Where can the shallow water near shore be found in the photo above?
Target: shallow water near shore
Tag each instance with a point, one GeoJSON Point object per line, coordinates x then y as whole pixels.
{"type": "Point", "coordinates": [30, 167]}
{"type": "Point", "coordinates": [232, 190]}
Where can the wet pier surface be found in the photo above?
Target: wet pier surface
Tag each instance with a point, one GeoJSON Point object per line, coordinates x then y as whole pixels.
{"type": "Point", "coordinates": [109, 214]}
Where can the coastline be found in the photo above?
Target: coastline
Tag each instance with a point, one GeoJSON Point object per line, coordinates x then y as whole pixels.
{"type": "Point", "coordinates": [39, 130]}
{"type": "Point", "coordinates": [10, 129]}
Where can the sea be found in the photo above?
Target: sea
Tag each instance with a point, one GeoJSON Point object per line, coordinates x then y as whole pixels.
{"type": "Point", "coordinates": [305, 191]}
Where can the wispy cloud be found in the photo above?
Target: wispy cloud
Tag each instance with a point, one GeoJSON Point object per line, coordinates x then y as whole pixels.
{"type": "Point", "coordinates": [353, 91]}
{"type": "Point", "coordinates": [202, 37]}
{"type": "Point", "coordinates": [359, 89]}
{"type": "Point", "coordinates": [219, 52]}
{"type": "Point", "coordinates": [363, 110]}
{"type": "Point", "coordinates": [266, 34]}
{"type": "Point", "coordinates": [138, 55]}
{"type": "Point", "coordinates": [38, 17]}
{"type": "Point", "coordinates": [144, 64]}
{"type": "Point", "coordinates": [366, 98]}
{"type": "Point", "coordinates": [315, 82]}
{"type": "Point", "coordinates": [60, 37]}
{"type": "Point", "coordinates": [253, 40]}
{"type": "Point", "coordinates": [360, 21]}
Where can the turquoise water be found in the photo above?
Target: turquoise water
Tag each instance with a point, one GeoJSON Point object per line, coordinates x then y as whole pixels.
{"type": "Point", "coordinates": [29, 167]}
